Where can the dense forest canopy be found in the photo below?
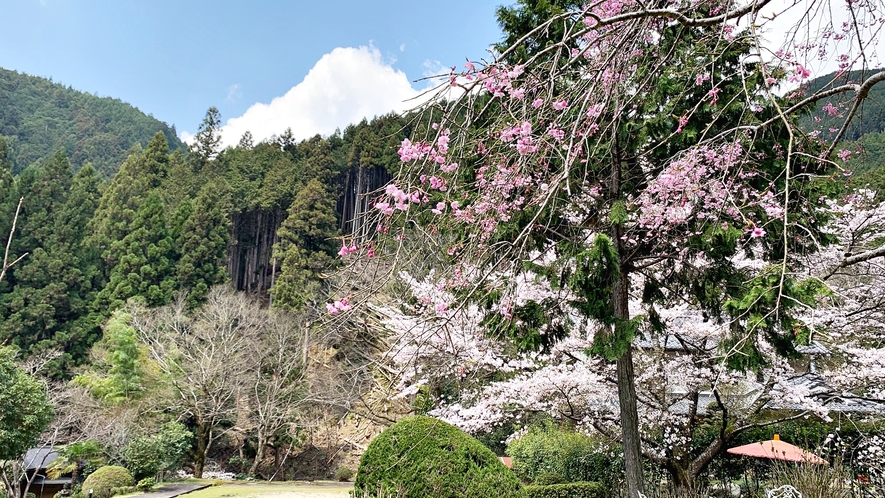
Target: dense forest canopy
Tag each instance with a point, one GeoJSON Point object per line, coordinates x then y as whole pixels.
{"type": "Point", "coordinates": [39, 117]}
{"type": "Point", "coordinates": [266, 217]}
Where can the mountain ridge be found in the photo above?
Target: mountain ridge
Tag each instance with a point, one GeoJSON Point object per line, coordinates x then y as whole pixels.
{"type": "Point", "coordinates": [39, 117]}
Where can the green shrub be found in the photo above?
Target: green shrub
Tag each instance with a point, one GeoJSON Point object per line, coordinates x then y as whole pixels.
{"type": "Point", "coordinates": [146, 484]}
{"type": "Point", "coordinates": [344, 474]}
{"type": "Point", "coordinates": [148, 455]}
{"type": "Point", "coordinates": [123, 490]}
{"type": "Point", "coordinates": [576, 457]}
{"type": "Point", "coordinates": [30, 495]}
{"type": "Point", "coordinates": [105, 479]}
{"type": "Point", "coordinates": [569, 490]}
{"type": "Point", "coordinates": [549, 478]}
{"type": "Point", "coordinates": [422, 456]}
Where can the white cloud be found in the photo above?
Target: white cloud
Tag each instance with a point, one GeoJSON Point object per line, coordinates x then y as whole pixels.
{"type": "Point", "coordinates": [434, 69]}
{"type": "Point", "coordinates": [343, 87]}
{"type": "Point", "coordinates": [233, 93]}
{"type": "Point", "coordinates": [402, 47]}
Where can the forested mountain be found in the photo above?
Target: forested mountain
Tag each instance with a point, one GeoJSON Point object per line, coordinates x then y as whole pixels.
{"type": "Point", "coordinates": [39, 117]}
{"type": "Point", "coordinates": [864, 138]}
{"type": "Point", "coordinates": [829, 113]}
{"type": "Point", "coordinates": [267, 217]}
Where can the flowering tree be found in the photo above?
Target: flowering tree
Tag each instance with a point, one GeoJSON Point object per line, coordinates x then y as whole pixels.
{"type": "Point", "coordinates": [641, 158]}
{"type": "Point", "coordinates": [854, 272]}
{"type": "Point", "coordinates": [685, 393]}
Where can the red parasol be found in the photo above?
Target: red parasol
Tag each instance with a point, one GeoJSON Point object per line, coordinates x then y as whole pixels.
{"type": "Point", "coordinates": [777, 450]}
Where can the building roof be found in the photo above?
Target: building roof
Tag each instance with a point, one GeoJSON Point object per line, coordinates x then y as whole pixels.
{"type": "Point", "coordinates": [814, 348]}
{"type": "Point", "coordinates": [40, 458]}
{"type": "Point", "coordinates": [675, 342]}
{"type": "Point", "coordinates": [45, 481]}
{"type": "Point", "coordinates": [835, 402]}
{"type": "Point", "coordinates": [816, 386]}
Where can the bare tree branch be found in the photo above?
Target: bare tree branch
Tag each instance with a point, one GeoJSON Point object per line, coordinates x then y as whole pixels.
{"type": "Point", "coordinates": [6, 264]}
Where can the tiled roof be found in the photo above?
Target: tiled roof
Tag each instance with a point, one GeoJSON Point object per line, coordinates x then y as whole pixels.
{"type": "Point", "coordinates": [40, 458]}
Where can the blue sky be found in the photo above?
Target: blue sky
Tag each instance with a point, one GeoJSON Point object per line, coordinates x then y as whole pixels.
{"type": "Point", "coordinates": [175, 59]}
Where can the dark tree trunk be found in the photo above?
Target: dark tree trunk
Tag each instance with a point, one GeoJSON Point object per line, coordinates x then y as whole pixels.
{"type": "Point", "coordinates": [250, 262]}
{"type": "Point", "coordinates": [626, 382]}
{"type": "Point", "coordinates": [630, 425]}
{"type": "Point", "coordinates": [203, 435]}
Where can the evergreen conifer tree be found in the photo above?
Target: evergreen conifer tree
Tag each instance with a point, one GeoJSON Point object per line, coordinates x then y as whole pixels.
{"type": "Point", "coordinates": [145, 260]}
{"type": "Point", "coordinates": [306, 246]}
{"type": "Point", "coordinates": [203, 244]}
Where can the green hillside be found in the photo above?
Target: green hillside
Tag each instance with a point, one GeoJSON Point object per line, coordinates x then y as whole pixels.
{"type": "Point", "coordinates": [865, 136]}
{"type": "Point", "coordinates": [39, 117]}
{"type": "Point", "coordinates": [829, 113]}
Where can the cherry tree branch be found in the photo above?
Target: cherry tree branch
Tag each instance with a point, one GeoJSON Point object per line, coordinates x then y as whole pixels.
{"type": "Point", "coordinates": [864, 256]}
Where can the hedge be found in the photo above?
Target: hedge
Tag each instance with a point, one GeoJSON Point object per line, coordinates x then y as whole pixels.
{"type": "Point", "coordinates": [569, 490]}
{"type": "Point", "coordinates": [422, 456]}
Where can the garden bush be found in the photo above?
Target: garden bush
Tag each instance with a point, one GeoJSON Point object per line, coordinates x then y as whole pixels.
{"type": "Point", "coordinates": [146, 484]}
{"type": "Point", "coordinates": [576, 457]}
{"type": "Point", "coordinates": [568, 490]}
{"type": "Point", "coordinates": [344, 474]}
{"type": "Point", "coordinates": [148, 455]}
{"type": "Point", "coordinates": [105, 479]}
{"type": "Point", "coordinates": [422, 456]}
{"type": "Point", "coordinates": [549, 478]}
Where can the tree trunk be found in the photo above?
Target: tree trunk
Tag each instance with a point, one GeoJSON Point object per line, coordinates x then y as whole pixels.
{"type": "Point", "coordinates": [203, 434]}
{"type": "Point", "coordinates": [626, 383]}
{"type": "Point", "coordinates": [259, 455]}
{"type": "Point", "coordinates": [681, 476]}
{"type": "Point", "coordinates": [630, 425]}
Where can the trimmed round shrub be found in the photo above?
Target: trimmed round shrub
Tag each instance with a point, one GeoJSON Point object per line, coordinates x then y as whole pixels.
{"type": "Point", "coordinates": [105, 479]}
{"type": "Point", "coordinates": [569, 490]}
{"type": "Point", "coordinates": [422, 456]}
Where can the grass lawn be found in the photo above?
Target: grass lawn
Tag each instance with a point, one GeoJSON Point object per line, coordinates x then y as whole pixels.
{"type": "Point", "coordinates": [294, 489]}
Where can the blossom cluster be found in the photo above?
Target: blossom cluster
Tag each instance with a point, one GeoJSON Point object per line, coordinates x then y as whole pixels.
{"type": "Point", "coordinates": [705, 183]}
